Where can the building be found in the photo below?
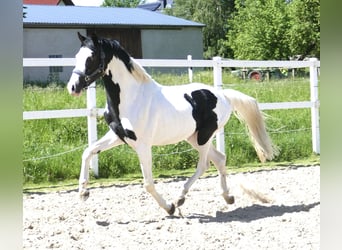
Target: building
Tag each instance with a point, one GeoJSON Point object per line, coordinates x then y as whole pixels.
{"type": "Point", "coordinates": [49, 2]}
{"type": "Point", "coordinates": [51, 31]}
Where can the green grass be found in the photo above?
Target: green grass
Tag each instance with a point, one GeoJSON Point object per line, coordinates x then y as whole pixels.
{"type": "Point", "coordinates": [53, 147]}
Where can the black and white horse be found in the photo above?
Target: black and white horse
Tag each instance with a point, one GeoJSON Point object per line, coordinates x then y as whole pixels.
{"type": "Point", "coordinates": [142, 113]}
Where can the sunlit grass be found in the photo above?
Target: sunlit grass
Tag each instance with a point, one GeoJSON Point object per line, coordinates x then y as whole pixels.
{"type": "Point", "coordinates": [52, 148]}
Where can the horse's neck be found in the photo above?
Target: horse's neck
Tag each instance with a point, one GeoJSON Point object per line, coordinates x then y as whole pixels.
{"type": "Point", "coordinates": [120, 73]}
{"type": "Point", "coordinates": [131, 83]}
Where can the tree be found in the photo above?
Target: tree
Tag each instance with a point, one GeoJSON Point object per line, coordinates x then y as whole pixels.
{"type": "Point", "coordinates": [120, 3]}
{"type": "Point", "coordinates": [274, 29]}
{"type": "Point", "coordinates": [212, 13]}
{"type": "Point", "coordinates": [258, 30]}
{"type": "Point", "coordinates": [304, 34]}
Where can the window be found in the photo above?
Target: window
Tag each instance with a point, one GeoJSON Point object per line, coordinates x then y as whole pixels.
{"type": "Point", "coordinates": [56, 69]}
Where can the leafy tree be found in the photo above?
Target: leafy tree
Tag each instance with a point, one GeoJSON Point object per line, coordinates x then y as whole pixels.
{"type": "Point", "coordinates": [258, 30]}
{"type": "Point", "coordinates": [274, 29]}
{"type": "Point", "coordinates": [304, 34]}
{"type": "Point", "coordinates": [120, 3]}
{"type": "Point", "coordinates": [212, 13]}
{"type": "Point", "coordinates": [250, 29]}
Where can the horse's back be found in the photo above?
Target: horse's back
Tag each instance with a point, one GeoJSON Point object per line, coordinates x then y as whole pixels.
{"type": "Point", "coordinates": [174, 114]}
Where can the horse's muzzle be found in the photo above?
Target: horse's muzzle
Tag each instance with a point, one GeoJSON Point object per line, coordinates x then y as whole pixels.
{"type": "Point", "coordinates": [74, 85]}
{"type": "Point", "coordinates": [73, 91]}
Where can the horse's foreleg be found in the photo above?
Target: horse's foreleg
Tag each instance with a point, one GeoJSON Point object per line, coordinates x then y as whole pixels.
{"type": "Point", "coordinates": [219, 161]}
{"type": "Point", "coordinates": [108, 141]}
{"type": "Point", "coordinates": [145, 158]}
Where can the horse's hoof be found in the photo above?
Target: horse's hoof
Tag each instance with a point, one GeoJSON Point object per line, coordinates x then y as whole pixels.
{"type": "Point", "coordinates": [172, 209]}
{"type": "Point", "coordinates": [230, 199]}
{"type": "Point", "coordinates": [180, 202]}
{"type": "Point", "coordinates": [84, 195]}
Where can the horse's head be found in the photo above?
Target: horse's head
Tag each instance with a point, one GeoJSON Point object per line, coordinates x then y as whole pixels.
{"type": "Point", "coordinates": [89, 64]}
{"type": "Point", "coordinates": [94, 57]}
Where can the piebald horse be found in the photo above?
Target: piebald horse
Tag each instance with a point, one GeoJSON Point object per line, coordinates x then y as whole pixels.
{"type": "Point", "coordinates": [142, 113]}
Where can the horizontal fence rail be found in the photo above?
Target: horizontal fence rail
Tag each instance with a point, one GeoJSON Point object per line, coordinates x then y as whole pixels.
{"type": "Point", "coordinates": [181, 63]}
{"type": "Point", "coordinates": [91, 111]}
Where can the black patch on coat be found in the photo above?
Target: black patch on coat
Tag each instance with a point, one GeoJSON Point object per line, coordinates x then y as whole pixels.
{"type": "Point", "coordinates": [203, 102]}
{"type": "Point", "coordinates": [112, 116]}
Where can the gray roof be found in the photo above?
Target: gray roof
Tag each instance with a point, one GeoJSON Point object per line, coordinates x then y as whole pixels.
{"type": "Point", "coordinates": [48, 15]}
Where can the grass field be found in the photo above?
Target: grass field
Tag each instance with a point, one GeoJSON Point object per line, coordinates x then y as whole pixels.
{"type": "Point", "coordinates": [52, 148]}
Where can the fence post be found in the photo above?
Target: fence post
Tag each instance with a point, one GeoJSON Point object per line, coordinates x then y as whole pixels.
{"type": "Point", "coordinates": [92, 124]}
{"type": "Point", "coordinates": [190, 68]}
{"type": "Point", "coordinates": [315, 108]}
{"type": "Point", "coordinates": [217, 70]}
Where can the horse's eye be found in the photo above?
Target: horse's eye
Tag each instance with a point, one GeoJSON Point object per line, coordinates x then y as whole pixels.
{"type": "Point", "coordinates": [89, 61]}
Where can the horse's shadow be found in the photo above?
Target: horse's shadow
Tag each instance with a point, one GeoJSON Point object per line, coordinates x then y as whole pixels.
{"type": "Point", "coordinates": [252, 213]}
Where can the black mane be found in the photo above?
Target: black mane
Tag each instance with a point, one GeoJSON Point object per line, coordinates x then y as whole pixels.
{"type": "Point", "coordinates": [110, 48]}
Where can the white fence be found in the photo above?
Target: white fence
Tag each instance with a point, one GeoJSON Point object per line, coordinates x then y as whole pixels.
{"type": "Point", "coordinates": [91, 111]}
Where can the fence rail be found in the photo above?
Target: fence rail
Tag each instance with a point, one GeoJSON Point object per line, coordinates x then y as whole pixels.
{"type": "Point", "coordinates": [91, 111]}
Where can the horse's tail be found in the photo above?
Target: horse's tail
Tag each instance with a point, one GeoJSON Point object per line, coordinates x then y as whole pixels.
{"type": "Point", "coordinates": [250, 188]}
{"type": "Point", "coordinates": [246, 109]}
{"type": "Point", "coordinates": [254, 194]}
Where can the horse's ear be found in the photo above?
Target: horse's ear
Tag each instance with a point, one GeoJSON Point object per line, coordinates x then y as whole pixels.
{"type": "Point", "coordinates": [82, 38]}
{"type": "Point", "coordinates": [95, 39]}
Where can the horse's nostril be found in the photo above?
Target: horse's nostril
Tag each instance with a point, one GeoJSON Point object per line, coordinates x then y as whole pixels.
{"type": "Point", "coordinates": [73, 88]}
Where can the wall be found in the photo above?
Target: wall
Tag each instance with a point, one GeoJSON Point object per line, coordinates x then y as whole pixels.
{"type": "Point", "coordinates": [172, 43]}
{"type": "Point", "coordinates": [40, 43]}
{"type": "Point", "coordinates": [156, 44]}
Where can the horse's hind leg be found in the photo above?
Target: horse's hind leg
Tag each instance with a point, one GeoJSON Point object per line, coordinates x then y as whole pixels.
{"type": "Point", "coordinates": [108, 141]}
{"type": "Point", "coordinates": [202, 166]}
{"type": "Point", "coordinates": [219, 161]}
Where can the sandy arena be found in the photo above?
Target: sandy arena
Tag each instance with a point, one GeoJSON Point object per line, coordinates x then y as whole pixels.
{"type": "Point", "coordinates": [127, 217]}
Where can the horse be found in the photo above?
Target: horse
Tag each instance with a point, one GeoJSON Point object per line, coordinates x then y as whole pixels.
{"type": "Point", "coordinates": [142, 113]}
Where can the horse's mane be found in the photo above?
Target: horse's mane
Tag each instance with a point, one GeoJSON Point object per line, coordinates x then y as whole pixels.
{"type": "Point", "coordinates": [139, 72]}
{"type": "Point", "coordinates": [112, 48]}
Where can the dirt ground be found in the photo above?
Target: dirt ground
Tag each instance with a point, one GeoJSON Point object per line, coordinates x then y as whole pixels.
{"type": "Point", "coordinates": [127, 217]}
